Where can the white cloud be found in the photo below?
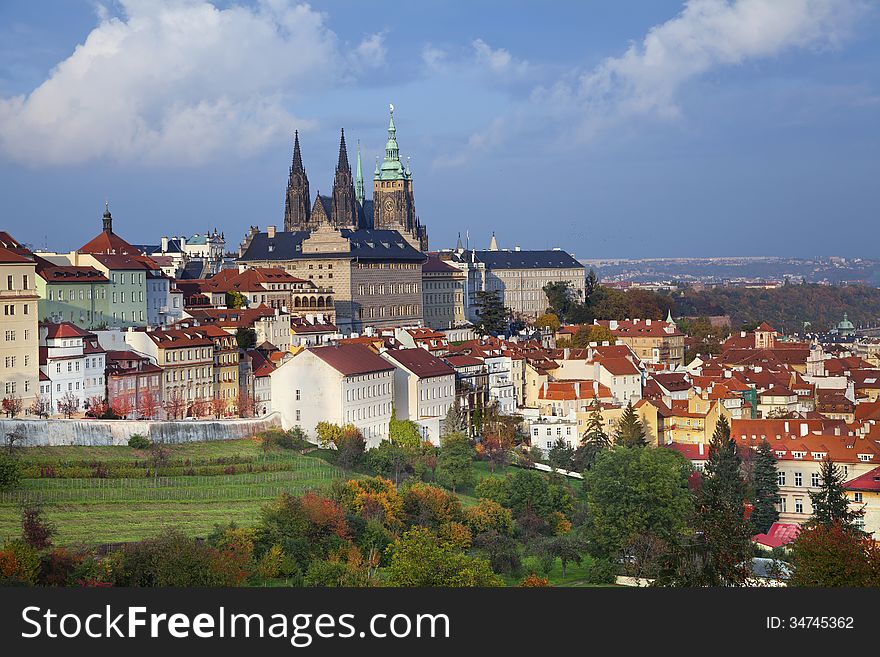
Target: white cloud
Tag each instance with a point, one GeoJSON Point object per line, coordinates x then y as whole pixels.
{"type": "Point", "coordinates": [370, 53]}
{"type": "Point", "coordinates": [177, 82]}
{"type": "Point", "coordinates": [647, 79]}
{"type": "Point", "coordinates": [498, 61]}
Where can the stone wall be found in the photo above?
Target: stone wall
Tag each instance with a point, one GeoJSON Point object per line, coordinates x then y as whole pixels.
{"type": "Point", "coordinates": [44, 433]}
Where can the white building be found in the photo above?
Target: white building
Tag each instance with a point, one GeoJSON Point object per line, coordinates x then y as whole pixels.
{"type": "Point", "coordinates": [546, 430]}
{"type": "Point", "coordinates": [164, 301]}
{"type": "Point", "coordinates": [73, 362]}
{"type": "Point", "coordinates": [343, 384]}
{"type": "Point", "coordinates": [424, 389]}
{"type": "Point", "coordinates": [502, 388]}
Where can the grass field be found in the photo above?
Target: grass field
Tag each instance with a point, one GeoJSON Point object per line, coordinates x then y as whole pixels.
{"type": "Point", "coordinates": [93, 511]}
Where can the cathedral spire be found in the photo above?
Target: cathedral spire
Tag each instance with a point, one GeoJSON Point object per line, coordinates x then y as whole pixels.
{"type": "Point", "coordinates": [297, 211]}
{"type": "Point", "coordinates": [359, 179]}
{"type": "Point", "coordinates": [342, 164]}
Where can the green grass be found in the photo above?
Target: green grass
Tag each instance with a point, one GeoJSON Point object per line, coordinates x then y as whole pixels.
{"type": "Point", "coordinates": [96, 511]}
{"type": "Point", "coordinates": [575, 574]}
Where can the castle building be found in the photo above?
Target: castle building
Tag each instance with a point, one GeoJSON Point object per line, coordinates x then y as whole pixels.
{"type": "Point", "coordinates": [369, 258]}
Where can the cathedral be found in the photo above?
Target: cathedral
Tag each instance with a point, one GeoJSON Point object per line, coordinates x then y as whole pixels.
{"type": "Point", "coordinates": [392, 206]}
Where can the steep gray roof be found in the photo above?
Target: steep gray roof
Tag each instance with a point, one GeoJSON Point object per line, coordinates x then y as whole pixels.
{"type": "Point", "coordinates": [365, 245]}
{"type": "Point", "coordinates": [523, 259]}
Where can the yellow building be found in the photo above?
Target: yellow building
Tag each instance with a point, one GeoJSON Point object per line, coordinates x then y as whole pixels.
{"type": "Point", "coordinates": [864, 493]}
{"type": "Point", "coordinates": [652, 341]}
{"type": "Point", "coordinates": [692, 422]}
{"type": "Point", "coordinates": [19, 337]}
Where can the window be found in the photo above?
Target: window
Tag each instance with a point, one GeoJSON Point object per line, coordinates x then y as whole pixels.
{"type": "Point", "coordinates": [858, 498]}
{"type": "Point", "coordinates": [798, 480]}
{"type": "Point", "coordinates": [814, 479]}
{"type": "Point", "coordinates": [798, 505]}
{"type": "Point", "coordinates": [780, 478]}
{"type": "Point", "coordinates": [782, 505]}
{"type": "Point", "coordinates": [297, 396]}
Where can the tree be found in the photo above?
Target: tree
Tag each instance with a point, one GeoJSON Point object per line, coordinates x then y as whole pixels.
{"type": "Point", "coordinates": [328, 433]}
{"type": "Point", "coordinates": [630, 431]}
{"type": "Point", "coordinates": [594, 441]}
{"type": "Point", "coordinates": [149, 404]}
{"type": "Point", "coordinates": [175, 405]}
{"type": "Point", "coordinates": [588, 333]}
{"type": "Point", "coordinates": [455, 467]}
{"type": "Point", "coordinates": [12, 405]}
{"type": "Point", "coordinates": [245, 403]}
{"type": "Point", "coordinates": [632, 492]}
{"type": "Point", "coordinates": [455, 420]}
{"type": "Point", "coordinates": [404, 433]}
{"type": "Point", "coordinates": [830, 504]}
{"type": "Point", "coordinates": [388, 460]}
{"type": "Point", "coordinates": [493, 316]}
{"type": "Point", "coordinates": [122, 407]}
{"type": "Point", "coordinates": [10, 472]}
{"type": "Point", "coordinates": [765, 489]}
{"type": "Point", "coordinates": [35, 530]}
{"type": "Point", "coordinates": [488, 515]}
{"type": "Point", "coordinates": [834, 555]}
{"type": "Point", "coordinates": [199, 408]}
{"type": "Point", "coordinates": [560, 298]}
{"type": "Point", "coordinates": [350, 447]}
{"type": "Point", "coordinates": [561, 454]}
{"type": "Point", "coordinates": [41, 406]}
{"type": "Point", "coordinates": [68, 405]}
{"type": "Point", "coordinates": [246, 338]}
{"type": "Point", "coordinates": [567, 548]}
{"type": "Point", "coordinates": [421, 559]}
{"type": "Point", "coordinates": [13, 439]}
{"type": "Point", "coordinates": [501, 550]}
{"type": "Point", "coordinates": [219, 406]}
{"type": "Point", "coordinates": [549, 321]}
{"type": "Point", "coordinates": [235, 299]}
{"type": "Point", "coordinates": [724, 531]}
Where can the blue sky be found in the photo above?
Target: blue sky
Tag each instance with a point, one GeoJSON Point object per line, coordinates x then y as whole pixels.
{"type": "Point", "coordinates": [613, 129]}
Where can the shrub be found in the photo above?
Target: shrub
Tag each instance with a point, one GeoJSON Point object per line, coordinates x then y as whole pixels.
{"type": "Point", "coordinates": [139, 441]}
{"type": "Point", "coordinates": [269, 565]}
{"type": "Point", "coordinates": [533, 581]}
{"type": "Point", "coordinates": [19, 562]}
{"type": "Point", "coordinates": [603, 571]}
{"type": "Point", "coordinates": [10, 473]}
{"type": "Point", "coordinates": [36, 531]}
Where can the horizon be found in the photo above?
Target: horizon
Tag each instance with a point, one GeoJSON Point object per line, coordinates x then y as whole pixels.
{"type": "Point", "coordinates": [758, 136]}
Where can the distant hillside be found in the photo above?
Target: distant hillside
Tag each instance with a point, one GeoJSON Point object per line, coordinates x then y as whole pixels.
{"type": "Point", "coordinates": [786, 308]}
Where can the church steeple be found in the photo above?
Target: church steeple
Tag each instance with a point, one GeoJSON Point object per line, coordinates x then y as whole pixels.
{"type": "Point", "coordinates": [344, 202]}
{"type": "Point", "coordinates": [108, 218]}
{"type": "Point", "coordinates": [297, 210]}
{"type": "Point", "coordinates": [359, 179]}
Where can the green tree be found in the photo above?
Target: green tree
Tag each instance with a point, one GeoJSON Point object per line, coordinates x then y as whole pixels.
{"type": "Point", "coordinates": [492, 314]}
{"type": "Point", "coordinates": [634, 492]}
{"type": "Point", "coordinates": [455, 421]}
{"type": "Point", "coordinates": [568, 548]}
{"type": "Point", "coordinates": [723, 530]}
{"type": "Point", "coordinates": [561, 455]}
{"type": "Point", "coordinates": [594, 440]}
{"type": "Point", "coordinates": [10, 472]}
{"type": "Point", "coordinates": [830, 504]}
{"type": "Point", "coordinates": [404, 433]}
{"type": "Point", "coordinates": [630, 430]}
{"type": "Point", "coordinates": [245, 337]}
{"type": "Point", "coordinates": [421, 559]}
{"type": "Point", "coordinates": [235, 300]}
{"type": "Point", "coordinates": [455, 463]}
{"type": "Point", "coordinates": [388, 460]}
{"type": "Point", "coordinates": [765, 489]}
{"type": "Point", "coordinates": [588, 333]}
{"type": "Point", "coordinates": [560, 298]}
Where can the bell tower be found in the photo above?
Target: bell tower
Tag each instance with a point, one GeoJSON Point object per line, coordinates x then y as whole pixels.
{"type": "Point", "coordinates": [393, 200]}
{"type": "Point", "coordinates": [297, 210]}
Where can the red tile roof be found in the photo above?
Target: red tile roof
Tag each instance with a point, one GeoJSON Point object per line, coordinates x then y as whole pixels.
{"type": "Point", "coordinates": [110, 243]}
{"type": "Point", "coordinates": [779, 534]}
{"type": "Point", "coordinates": [870, 482]}
{"type": "Point", "coordinates": [463, 361]}
{"type": "Point", "coordinates": [420, 362]}
{"type": "Point", "coordinates": [7, 256]}
{"type": "Point", "coordinates": [64, 330]}
{"type": "Point", "coordinates": [351, 359]}
{"type": "Point", "coordinates": [435, 265]}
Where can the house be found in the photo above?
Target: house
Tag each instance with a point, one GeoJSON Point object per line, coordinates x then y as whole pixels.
{"type": "Point", "coordinates": [133, 384]}
{"type": "Point", "coordinates": [424, 389]}
{"type": "Point", "coordinates": [546, 430]}
{"type": "Point", "coordinates": [75, 294]}
{"type": "Point", "coordinates": [340, 384]}
{"type": "Point", "coordinates": [443, 291]}
{"type": "Point", "coordinates": [654, 341]}
{"type": "Point", "coordinates": [19, 339]}
{"type": "Point", "coordinates": [74, 364]}
{"type": "Point", "coordinates": [864, 493]}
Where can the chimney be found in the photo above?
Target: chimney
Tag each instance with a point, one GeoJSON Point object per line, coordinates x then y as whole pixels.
{"type": "Point", "coordinates": [546, 385]}
{"type": "Point", "coordinates": [786, 426]}
{"type": "Point", "coordinates": [701, 449]}
{"type": "Point", "coordinates": [164, 244]}
{"type": "Point", "coordinates": [805, 429]}
{"type": "Point", "coordinates": [612, 325]}
{"type": "Point", "coordinates": [182, 242]}
{"type": "Point", "coordinates": [270, 231]}
{"type": "Point", "coordinates": [566, 353]}
{"type": "Point", "coordinates": [577, 389]}
{"type": "Point", "coordinates": [516, 248]}
{"type": "Point", "coordinates": [648, 322]}
{"type": "Point", "coordinates": [636, 321]}
{"type": "Point", "coordinates": [742, 334]}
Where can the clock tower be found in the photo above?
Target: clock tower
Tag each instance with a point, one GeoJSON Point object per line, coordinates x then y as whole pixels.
{"type": "Point", "coordinates": [393, 202]}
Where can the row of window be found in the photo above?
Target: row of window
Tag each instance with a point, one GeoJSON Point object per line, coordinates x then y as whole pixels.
{"type": "Point", "coordinates": [364, 392]}
{"type": "Point", "coordinates": [11, 387]}
{"type": "Point", "coordinates": [9, 309]}
{"type": "Point", "coordinates": [200, 372]}
{"type": "Point", "coordinates": [365, 413]}
{"type": "Point", "coordinates": [11, 335]}
{"type": "Point", "coordinates": [393, 288]}
{"type": "Point", "coordinates": [25, 282]}
{"type": "Point", "coordinates": [411, 310]}
{"type": "Point", "coordinates": [136, 279]}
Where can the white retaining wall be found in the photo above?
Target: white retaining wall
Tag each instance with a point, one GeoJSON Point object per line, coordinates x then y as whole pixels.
{"type": "Point", "coordinates": [45, 433]}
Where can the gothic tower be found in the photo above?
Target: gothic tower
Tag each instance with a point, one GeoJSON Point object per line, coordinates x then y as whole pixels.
{"type": "Point", "coordinates": [344, 205]}
{"type": "Point", "coordinates": [297, 208]}
{"type": "Point", "coordinates": [393, 201]}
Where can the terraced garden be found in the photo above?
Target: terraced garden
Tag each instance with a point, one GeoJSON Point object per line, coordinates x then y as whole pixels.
{"type": "Point", "coordinates": [99, 495]}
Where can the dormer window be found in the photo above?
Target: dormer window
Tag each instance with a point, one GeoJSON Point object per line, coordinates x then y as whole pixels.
{"type": "Point", "coordinates": [865, 457]}
{"type": "Point", "coordinates": [819, 455]}
{"type": "Point", "coordinates": [798, 455]}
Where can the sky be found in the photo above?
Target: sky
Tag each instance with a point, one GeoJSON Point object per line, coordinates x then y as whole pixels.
{"type": "Point", "coordinates": [626, 129]}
